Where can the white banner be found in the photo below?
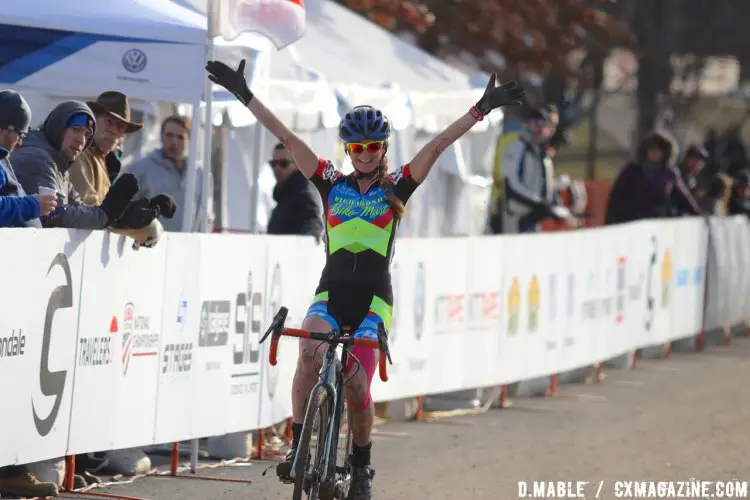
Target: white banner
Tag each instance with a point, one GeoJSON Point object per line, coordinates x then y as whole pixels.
{"type": "Point", "coordinates": [167, 346]}
{"type": "Point", "coordinates": [38, 326]}
{"type": "Point", "coordinates": [117, 353]}
{"type": "Point", "coordinates": [181, 378]}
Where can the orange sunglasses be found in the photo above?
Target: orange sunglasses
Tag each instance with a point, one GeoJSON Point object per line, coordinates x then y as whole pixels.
{"type": "Point", "coordinates": [371, 147]}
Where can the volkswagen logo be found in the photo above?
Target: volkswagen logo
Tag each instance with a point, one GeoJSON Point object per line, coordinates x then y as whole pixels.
{"type": "Point", "coordinates": [419, 301]}
{"type": "Point", "coordinates": [134, 60]}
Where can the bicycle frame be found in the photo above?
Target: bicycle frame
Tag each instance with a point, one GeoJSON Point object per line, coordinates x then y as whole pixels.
{"type": "Point", "coordinates": [332, 379]}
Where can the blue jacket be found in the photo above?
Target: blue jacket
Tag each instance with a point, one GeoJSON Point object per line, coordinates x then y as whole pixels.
{"type": "Point", "coordinates": [16, 209]}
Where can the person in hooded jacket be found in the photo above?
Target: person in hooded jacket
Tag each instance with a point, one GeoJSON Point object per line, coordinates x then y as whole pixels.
{"type": "Point", "coordinates": [298, 207]}
{"type": "Point", "coordinates": [44, 159]}
{"type": "Point", "coordinates": [17, 209]}
{"type": "Point", "coordinates": [651, 186]}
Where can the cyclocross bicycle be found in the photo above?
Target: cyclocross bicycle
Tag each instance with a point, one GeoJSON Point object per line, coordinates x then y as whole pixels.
{"type": "Point", "coordinates": [328, 475]}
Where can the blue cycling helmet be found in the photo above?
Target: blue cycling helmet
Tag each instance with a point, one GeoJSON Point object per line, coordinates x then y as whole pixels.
{"type": "Point", "coordinates": [364, 123]}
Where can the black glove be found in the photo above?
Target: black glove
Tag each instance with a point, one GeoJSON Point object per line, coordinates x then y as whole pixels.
{"type": "Point", "coordinates": [165, 204]}
{"type": "Point", "coordinates": [138, 215]}
{"type": "Point", "coordinates": [504, 95]}
{"type": "Point", "coordinates": [118, 197]}
{"type": "Point", "coordinates": [233, 81]}
{"type": "Point", "coordinates": [114, 164]}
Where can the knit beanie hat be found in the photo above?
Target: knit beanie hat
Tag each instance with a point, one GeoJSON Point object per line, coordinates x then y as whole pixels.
{"type": "Point", "coordinates": [15, 113]}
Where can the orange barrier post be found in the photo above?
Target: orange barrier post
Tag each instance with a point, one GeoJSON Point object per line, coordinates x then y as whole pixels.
{"type": "Point", "coordinates": [420, 408]}
{"type": "Point", "coordinates": [700, 341]}
{"type": "Point", "coordinates": [260, 438]}
{"type": "Point", "coordinates": [503, 401]}
{"type": "Point", "coordinates": [598, 372]}
{"type": "Point", "coordinates": [553, 384]}
{"type": "Point", "coordinates": [667, 349]}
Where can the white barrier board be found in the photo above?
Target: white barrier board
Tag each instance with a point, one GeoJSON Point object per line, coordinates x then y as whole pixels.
{"type": "Point", "coordinates": [103, 347]}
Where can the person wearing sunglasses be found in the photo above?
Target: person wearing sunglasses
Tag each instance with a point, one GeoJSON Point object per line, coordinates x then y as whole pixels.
{"type": "Point", "coordinates": [298, 207]}
{"type": "Point", "coordinates": [362, 214]}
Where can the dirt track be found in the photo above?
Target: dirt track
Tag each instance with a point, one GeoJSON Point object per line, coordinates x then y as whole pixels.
{"type": "Point", "coordinates": [675, 419]}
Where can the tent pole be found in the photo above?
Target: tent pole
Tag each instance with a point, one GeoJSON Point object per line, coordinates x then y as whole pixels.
{"type": "Point", "coordinates": [207, 130]}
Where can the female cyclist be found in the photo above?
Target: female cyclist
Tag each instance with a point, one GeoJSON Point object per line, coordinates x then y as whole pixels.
{"type": "Point", "coordinates": [362, 212]}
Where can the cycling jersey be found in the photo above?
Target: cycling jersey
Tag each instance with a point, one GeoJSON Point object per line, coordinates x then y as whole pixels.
{"type": "Point", "coordinates": [360, 228]}
{"type": "Point", "coordinates": [360, 232]}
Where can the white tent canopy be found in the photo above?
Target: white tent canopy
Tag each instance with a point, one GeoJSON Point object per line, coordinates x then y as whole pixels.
{"type": "Point", "coordinates": [147, 49]}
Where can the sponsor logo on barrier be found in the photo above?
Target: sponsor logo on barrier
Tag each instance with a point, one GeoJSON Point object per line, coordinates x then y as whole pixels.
{"type": "Point", "coordinates": [484, 309]}
{"type": "Point", "coordinates": [245, 351]}
{"type": "Point", "coordinates": [13, 345]}
{"type": "Point", "coordinates": [53, 383]}
{"type": "Point", "coordinates": [97, 351]}
{"type": "Point", "coordinates": [274, 303]}
{"type": "Point", "coordinates": [682, 278]}
{"type": "Point", "coordinates": [698, 275]}
{"type": "Point", "coordinates": [182, 308]}
{"type": "Point", "coordinates": [215, 320]}
{"type": "Point", "coordinates": [420, 300]}
{"type": "Point", "coordinates": [552, 310]}
{"type": "Point", "coordinates": [606, 301]}
{"type": "Point", "coordinates": [590, 306]}
{"type": "Point", "coordinates": [514, 306]}
{"type": "Point", "coordinates": [649, 284]}
{"type": "Point", "coordinates": [177, 358]}
{"type": "Point", "coordinates": [137, 339]}
{"type": "Point", "coordinates": [534, 298]}
{"type": "Point", "coordinates": [570, 297]}
{"type": "Point", "coordinates": [666, 279]}
{"type": "Point", "coordinates": [620, 300]}
{"type": "Point", "coordinates": [449, 312]}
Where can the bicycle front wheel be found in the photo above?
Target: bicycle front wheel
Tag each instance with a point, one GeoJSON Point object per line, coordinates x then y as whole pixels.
{"type": "Point", "coordinates": [314, 431]}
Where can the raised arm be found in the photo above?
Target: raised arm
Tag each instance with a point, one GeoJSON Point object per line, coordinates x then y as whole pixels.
{"type": "Point", "coordinates": [494, 97]}
{"type": "Point", "coordinates": [234, 81]}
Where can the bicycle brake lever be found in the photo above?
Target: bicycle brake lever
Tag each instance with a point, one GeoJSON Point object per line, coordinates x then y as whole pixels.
{"type": "Point", "coordinates": [383, 343]}
{"type": "Point", "coordinates": [277, 325]}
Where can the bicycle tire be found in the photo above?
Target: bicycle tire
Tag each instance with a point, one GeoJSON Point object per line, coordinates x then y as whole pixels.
{"type": "Point", "coordinates": [319, 405]}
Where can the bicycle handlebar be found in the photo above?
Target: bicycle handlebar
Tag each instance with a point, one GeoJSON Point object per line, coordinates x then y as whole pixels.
{"type": "Point", "coordinates": [277, 329]}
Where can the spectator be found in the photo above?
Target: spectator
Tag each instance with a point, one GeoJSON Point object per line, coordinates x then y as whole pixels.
{"type": "Point", "coordinates": [298, 207]}
{"type": "Point", "coordinates": [528, 175]}
{"type": "Point", "coordinates": [650, 187]}
{"type": "Point", "coordinates": [739, 200]}
{"type": "Point", "coordinates": [45, 158]}
{"type": "Point", "coordinates": [89, 173]}
{"type": "Point", "coordinates": [17, 209]}
{"type": "Point", "coordinates": [164, 170]}
{"type": "Point", "coordinates": [707, 188]}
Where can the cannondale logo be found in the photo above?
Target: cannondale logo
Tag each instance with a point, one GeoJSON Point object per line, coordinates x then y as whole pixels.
{"type": "Point", "coordinates": [419, 301]}
{"type": "Point", "coordinates": [134, 60]}
{"type": "Point", "coordinates": [274, 303]}
{"type": "Point", "coordinates": [53, 383]}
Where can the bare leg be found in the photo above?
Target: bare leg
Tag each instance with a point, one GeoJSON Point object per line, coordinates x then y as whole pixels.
{"type": "Point", "coordinates": [308, 364]}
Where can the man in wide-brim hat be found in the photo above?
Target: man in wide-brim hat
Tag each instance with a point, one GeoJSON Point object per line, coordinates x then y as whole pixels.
{"type": "Point", "coordinates": [90, 175]}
